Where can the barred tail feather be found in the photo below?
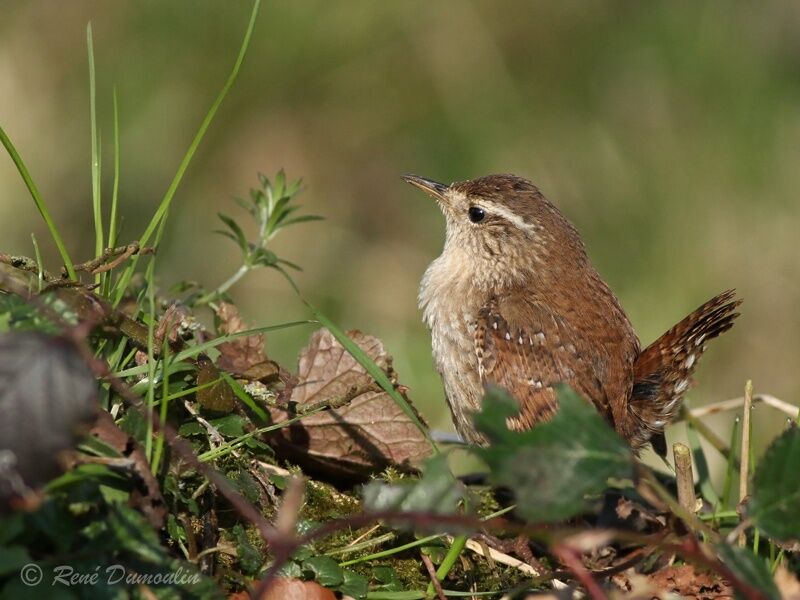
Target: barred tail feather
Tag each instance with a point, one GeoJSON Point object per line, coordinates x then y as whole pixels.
{"type": "Point", "coordinates": [663, 371]}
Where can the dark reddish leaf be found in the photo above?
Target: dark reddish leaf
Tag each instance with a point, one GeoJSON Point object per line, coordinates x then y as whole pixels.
{"type": "Point", "coordinates": [218, 397]}
{"type": "Point", "coordinates": [46, 393]}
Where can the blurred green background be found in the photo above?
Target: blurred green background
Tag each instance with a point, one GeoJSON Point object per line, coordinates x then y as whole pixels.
{"type": "Point", "coordinates": [669, 132]}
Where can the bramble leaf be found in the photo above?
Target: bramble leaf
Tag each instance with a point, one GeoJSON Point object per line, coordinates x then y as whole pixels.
{"type": "Point", "coordinates": [555, 466]}
{"type": "Point", "coordinates": [775, 498]}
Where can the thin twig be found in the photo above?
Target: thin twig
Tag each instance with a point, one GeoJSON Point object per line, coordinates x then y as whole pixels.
{"type": "Point", "coordinates": [735, 403]}
{"type": "Point", "coordinates": [286, 521]}
{"type": "Point", "coordinates": [572, 560]}
{"type": "Point", "coordinates": [101, 264]}
{"type": "Point", "coordinates": [744, 471]}
{"type": "Point", "coordinates": [429, 566]}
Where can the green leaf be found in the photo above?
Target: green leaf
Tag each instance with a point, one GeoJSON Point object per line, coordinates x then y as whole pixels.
{"type": "Point", "coordinates": [775, 498]}
{"type": "Point", "coordinates": [354, 585]}
{"type": "Point", "coordinates": [191, 428]}
{"type": "Point", "coordinates": [250, 558]}
{"type": "Point", "coordinates": [229, 426]}
{"type": "Point", "coordinates": [241, 239]}
{"type": "Point", "coordinates": [555, 466]}
{"type": "Point", "coordinates": [437, 492]}
{"type": "Point", "coordinates": [264, 257]}
{"type": "Point", "coordinates": [303, 219]}
{"type": "Point", "coordinates": [290, 570]}
{"type": "Point", "coordinates": [750, 569]}
{"type": "Point", "coordinates": [326, 571]}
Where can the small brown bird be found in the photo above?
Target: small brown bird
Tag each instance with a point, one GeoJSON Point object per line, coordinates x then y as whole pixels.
{"type": "Point", "coordinates": [514, 301]}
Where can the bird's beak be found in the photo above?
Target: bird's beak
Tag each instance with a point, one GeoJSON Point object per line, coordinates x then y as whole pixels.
{"type": "Point", "coordinates": [432, 188]}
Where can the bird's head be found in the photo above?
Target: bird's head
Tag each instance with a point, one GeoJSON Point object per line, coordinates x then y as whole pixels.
{"type": "Point", "coordinates": [502, 228]}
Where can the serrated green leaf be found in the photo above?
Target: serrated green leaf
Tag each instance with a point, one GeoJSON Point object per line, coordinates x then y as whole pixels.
{"type": "Point", "coordinates": [354, 585]}
{"type": "Point", "coordinates": [750, 569]}
{"type": "Point", "coordinates": [775, 498]}
{"type": "Point", "coordinates": [250, 558]}
{"type": "Point", "coordinates": [325, 570]}
{"type": "Point", "coordinates": [555, 466]}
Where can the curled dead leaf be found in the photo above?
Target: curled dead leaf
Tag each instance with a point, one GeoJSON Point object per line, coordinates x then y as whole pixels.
{"type": "Point", "coordinates": [366, 435]}
{"type": "Point", "coordinates": [243, 356]}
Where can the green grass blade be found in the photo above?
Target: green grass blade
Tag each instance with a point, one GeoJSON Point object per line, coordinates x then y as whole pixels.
{"type": "Point", "coordinates": [193, 351]}
{"type": "Point", "coordinates": [112, 223]}
{"type": "Point", "coordinates": [37, 199]}
{"type": "Point", "coordinates": [731, 471]}
{"type": "Point", "coordinates": [701, 464]}
{"type": "Point", "coordinates": [456, 548]}
{"type": "Point", "coordinates": [162, 415]}
{"type": "Point", "coordinates": [240, 393]}
{"type": "Point", "coordinates": [163, 207]}
{"type": "Point", "coordinates": [39, 264]}
{"type": "Point", "coordinates": [151, 361]}
{"type": "Point", "coordinates": [97, 206]}
{"type": "Point", "coordinates": [374, 370]}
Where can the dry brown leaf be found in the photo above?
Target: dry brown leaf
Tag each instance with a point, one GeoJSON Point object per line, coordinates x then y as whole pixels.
{"type": "Point", "coordinates": [169, 325]}
{"type": "Point", "coordinates": [243, 356]}
{"type": "Point", "coordinates": [688, 583]}
{"type": "Point", "coordinates": [368, 434]}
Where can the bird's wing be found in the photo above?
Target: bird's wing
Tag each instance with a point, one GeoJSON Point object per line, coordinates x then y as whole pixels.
{"type": "Point", "coordinates": [529, 360]}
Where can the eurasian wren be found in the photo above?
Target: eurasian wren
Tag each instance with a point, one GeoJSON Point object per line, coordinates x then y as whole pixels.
{"type": "Point", "coordinates": [514, 301]}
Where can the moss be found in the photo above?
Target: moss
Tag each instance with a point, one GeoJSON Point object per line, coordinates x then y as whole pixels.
{"type": "Point", "coordinates": [324, 502]}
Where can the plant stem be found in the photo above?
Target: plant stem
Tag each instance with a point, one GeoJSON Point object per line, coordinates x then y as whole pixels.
{"type": "Point", "coordinates": [744, 470]}
{"type": "Point", "coordinates": [205, 299]}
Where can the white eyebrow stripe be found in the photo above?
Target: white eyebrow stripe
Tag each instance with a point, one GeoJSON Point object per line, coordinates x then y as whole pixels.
{"type": "Point", "coordinates": [509, 216]}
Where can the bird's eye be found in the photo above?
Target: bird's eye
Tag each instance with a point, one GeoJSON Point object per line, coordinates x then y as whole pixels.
{"type": "Point", "coordinates": [476, 214]}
